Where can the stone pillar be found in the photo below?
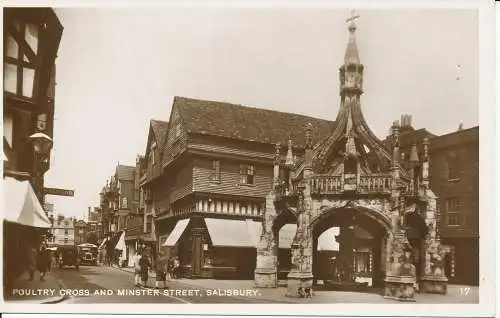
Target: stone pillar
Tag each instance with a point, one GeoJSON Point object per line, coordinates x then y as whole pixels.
{"type": "Point", "coordinates": [266, 271]}
{"type": "Point", "coordinates": [301, 275]}
{"type": "Point", "coordinates": [433, 279]}
{"type": "Point", "coordinates": [400, 272]}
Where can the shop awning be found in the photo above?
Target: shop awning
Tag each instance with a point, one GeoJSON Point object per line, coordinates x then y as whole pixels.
{"type": "Point", "coordinates": [22, 205]}
{"type": "Point", "coordinates": [103, 243]}
{"type": "Point", "coordinates": [255, 230]}
{"type": "Point", "coordinates": [176, 233]}
{"type": "Point", "coordinates": [229, 233]}
{"type": "Point", "coordinates": [121, 242]}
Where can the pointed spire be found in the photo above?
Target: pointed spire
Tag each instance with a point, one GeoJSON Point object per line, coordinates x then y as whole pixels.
{"type": "Point", "coordinates": [308, 151]}
{"type": "Point", "coordinates": [425, 164]}
{"type": "Point", "coordinates": [395, 145]}
{"type": "Point", "coordinates": [414, 154]}
{"type": "Point", "coordinates": [351, 53]}
{"type": "Point", "coordinates": [289, 155]}
{"type": "Point", "coordinates": [426, 148]}
{"type": "Point", "coordinates": [277, 155]}
{"type": "Point", "coordinates": [308, 135]}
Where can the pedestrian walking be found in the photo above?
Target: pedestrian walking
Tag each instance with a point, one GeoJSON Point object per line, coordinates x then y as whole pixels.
{"type": "Point", "coordinates": [43, 260]}
{"type": "Point", "coordinates": [161, 270]}
{"type": "Point", "coordinates": [170, 268]}
{"type": "Point", "coordinates": [145, 265]}
{"type": "Point", "coordinates": [137, 268]}
{"type": "Point", "coordinates": [177, 265]}
{"type": "Point", "coordinates": [32, 261]}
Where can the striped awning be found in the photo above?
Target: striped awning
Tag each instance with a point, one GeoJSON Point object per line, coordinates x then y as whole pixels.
{"type": "Point", "coordinates": [176, 233]}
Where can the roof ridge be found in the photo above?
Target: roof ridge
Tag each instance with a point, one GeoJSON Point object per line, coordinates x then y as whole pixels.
{"type": "Point", "coordinates": [158, 121]}
{"type": "Point", "coordinates": [248, 107]}
{"type": "Point", "coordinates": [457, 131]}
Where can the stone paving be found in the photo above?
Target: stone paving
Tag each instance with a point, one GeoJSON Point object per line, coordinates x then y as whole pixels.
{"type": "Point", "coordinates": [35, 291]}
{"type": "Point", "coordinates": [456, 293]}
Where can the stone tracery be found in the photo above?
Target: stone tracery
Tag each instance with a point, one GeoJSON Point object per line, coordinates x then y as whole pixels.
{"type": "Point", "coordinates": [336, 174]}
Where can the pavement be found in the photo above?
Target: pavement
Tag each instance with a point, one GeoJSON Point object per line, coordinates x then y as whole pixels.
{"type": "Point", "coordinates": [105, 284]}
{"type": "Point", "coordinates": [455, 294]}
{"type": "Point", "coordinates": [36, 291]}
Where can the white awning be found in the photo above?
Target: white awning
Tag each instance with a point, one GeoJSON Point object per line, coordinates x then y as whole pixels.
{"type": "Point", "coordinates": [255, 230]}
{"type": "Point", "coordinates": [121, 242]}
{"type": "Point", "coordinates": [22, 205]}
{"type": "Point", "coordinates": [103, 242]}
{"type": "Point", "coordinates": [176, 233]}
{"type": "Point", "coordinates": [230, 233]}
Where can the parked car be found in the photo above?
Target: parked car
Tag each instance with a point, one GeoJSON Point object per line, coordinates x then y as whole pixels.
{"type": "Point", "coordinates": [88, 253]}
{"type": "Point", "coordinates": [68, 256]}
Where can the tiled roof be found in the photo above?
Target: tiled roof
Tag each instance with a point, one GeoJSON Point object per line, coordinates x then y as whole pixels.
{"type": "Point", "coordinates": [247, 123]}
{"type": "Point", "coordinates": [125, 173]}
{"type": "Point", "coordinates": [160, 130]}
{"type": "Point", "coordinates": [455, 138]}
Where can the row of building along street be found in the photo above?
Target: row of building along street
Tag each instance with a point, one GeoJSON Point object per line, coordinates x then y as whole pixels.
{"type": "Point", "coordinates": [239, 204]}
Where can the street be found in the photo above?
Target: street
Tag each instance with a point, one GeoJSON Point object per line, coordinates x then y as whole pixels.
{"type": "Point", "coordinates": [103, 284]}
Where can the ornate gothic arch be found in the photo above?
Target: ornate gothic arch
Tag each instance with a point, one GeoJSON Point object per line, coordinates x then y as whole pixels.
{"type": "Point", "coordinates": [336, 174]}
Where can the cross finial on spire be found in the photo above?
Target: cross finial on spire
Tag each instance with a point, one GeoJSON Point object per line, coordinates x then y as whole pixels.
{"type": "Point", "coordinates": [351, 19]}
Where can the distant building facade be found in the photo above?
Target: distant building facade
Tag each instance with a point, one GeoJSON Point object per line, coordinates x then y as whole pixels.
{"type": "Point", "coordinates": [454, 177]}
{"type": "Point", "coordinates": [80, 232]}
{"type": "Point", "coordinates": [63, 231]}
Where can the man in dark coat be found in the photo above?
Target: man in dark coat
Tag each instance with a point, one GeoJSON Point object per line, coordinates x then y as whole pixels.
{"type": "Point", "coordinates": [43, 260]}
{"type": "Point", "coordinates": [32, 261]}
{"type": "Point", "coordinates": [145, 265]}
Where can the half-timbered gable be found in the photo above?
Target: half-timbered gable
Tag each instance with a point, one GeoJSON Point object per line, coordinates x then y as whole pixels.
{"type": "Point", "coordinates": [154, 150]}
{"type": "Point", "coordinates": [176, 139]}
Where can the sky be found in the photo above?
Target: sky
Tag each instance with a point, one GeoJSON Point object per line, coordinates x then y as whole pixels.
{"type": "Point", "coordinates": [118, 68]}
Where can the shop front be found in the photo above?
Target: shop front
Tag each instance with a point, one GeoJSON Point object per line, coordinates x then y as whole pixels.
{"type": "Point", "coordinates": [217, 248]}
{"type": "Point", "coordinates": [24, 222]}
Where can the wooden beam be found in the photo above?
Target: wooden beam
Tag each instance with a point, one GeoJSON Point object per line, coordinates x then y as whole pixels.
{"type": "Point", "coordinates": [18, 62]}
{"type": "Point", "coordinates": [21, 41]}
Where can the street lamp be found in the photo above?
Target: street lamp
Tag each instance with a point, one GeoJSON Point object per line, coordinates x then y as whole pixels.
{"type": "Point", "coordinates": [42, 144]}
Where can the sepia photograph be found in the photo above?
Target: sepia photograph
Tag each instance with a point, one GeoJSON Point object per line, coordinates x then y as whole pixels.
{"type": "Point", "coordinates": [158, 155]}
